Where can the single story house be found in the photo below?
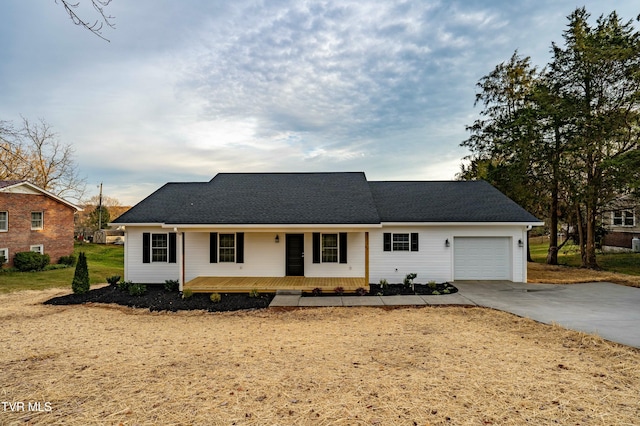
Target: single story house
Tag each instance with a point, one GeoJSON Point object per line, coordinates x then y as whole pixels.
{"type": "Point", "coordinates": [325, 225]}
{"type": "Point", "coordinates": [33, 219]}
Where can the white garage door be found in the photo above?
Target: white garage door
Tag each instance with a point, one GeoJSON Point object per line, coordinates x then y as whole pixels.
{"type": "Point", "coordinates": [482, 258]}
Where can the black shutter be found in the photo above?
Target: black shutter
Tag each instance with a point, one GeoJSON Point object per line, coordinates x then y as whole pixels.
{"type": "Point", "coordinates": [343, 247]}
{"type": "Point", "coordinates": [213, 247]}
{"type": "Point", "coordinates": [240, 247]}
{"type": "Point", "coordinates": [172, 247]}
{"type": "Point", "coordinates": [414, 241]}
{"type": "Point", "coordinates": [387, 242]}
{"type": "Point", "coordinates": [146, 247]}
{"type": "Point", "coordinates": [316, 247]}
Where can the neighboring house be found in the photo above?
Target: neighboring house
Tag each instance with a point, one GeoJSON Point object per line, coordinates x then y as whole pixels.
{"type": "Point", "coordinates": [32, 219]}
{"type": "Point", "coordinates": [325, 225]}
{"type": "Point", "coordinates": [621, 223]}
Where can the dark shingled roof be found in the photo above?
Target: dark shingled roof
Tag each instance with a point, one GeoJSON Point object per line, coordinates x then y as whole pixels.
{"type": "Point", "coordinates": [261, 198]}
{"type": "Point", "coordinates": [445, 201]}
{"type": "Point", "coordinates": [322, 198]}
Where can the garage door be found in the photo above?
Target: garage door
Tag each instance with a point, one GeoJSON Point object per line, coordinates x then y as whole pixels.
{"type": "Point", "coordinates": [482, 258]}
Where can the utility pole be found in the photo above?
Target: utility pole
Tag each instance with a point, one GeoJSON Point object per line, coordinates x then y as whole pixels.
{"type": "Point", "coordinates": [100, 209]}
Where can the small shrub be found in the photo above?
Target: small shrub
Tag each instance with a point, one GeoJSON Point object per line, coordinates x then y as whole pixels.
{"type": "Point", "coordinates": [67, 260]}
{"type": "Point", "coordinates": [361, 291]}
{"type": "Point", "coordinates": [384, 283]}
{"type": "Point", "coordinates": [446, 291]}
{"type": "Point", "coordinates": [187, 293]}
{"type": "Point", "coordinates": [124, 285]}
{"type": "Point", "coordinates": [408, 280]}
{"type": "Point", "coordinates": [254, 293]}
{"type": "Point", "coordinates": [339, 291]}
{"type": "Point", "coordinates": [215, 297]}
{"type": "Point", "coordinates": [137, 289]}
{"type": "Point", "coordinates": [80, 283]}
{"type": "Point", "coordinates": [27, 261]}
{"type": "Point", "coordinates": [316, 291]}
{"type": "Point", "coordinates": [171, 285]}
{"type": "Point", "coordinates": [432, 284]}
{"type": "Point", "coordinates": [113, 280]}
{"type": "Point", "coordinates": [436, 292]}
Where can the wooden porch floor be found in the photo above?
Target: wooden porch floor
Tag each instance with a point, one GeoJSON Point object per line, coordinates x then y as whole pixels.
{"type": "Point", "coordinates": [271, 284]}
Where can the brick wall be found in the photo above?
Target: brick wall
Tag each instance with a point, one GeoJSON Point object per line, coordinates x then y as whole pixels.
{"type": "Point", "coordinates": [56, 235]}
{"type": "Point", "coordinates": [619, 239]}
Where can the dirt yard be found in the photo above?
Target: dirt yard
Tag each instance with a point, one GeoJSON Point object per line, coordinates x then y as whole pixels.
{"type": "Point", "coordinates": [333, 366]}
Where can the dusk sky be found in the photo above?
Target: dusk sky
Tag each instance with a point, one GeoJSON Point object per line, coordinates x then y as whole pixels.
{"type": "Point", "coordinates": [188, 89]}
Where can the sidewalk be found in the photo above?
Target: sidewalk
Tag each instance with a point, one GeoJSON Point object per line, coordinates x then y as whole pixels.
{"type": "Point", "coordinates": [291, 299]}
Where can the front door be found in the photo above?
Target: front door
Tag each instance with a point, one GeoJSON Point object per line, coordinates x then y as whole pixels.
{"type": "Point", "coordinates": [295, 254]}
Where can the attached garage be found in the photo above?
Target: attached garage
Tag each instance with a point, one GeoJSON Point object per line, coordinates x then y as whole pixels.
{"type": "Point", "coordinates": [482, 258]}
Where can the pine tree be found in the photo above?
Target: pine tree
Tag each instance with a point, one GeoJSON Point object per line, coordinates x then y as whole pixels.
{"type": "Point", "coordinates": [80, 284]}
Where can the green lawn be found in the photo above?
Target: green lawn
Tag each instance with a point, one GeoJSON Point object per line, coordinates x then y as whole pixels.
{"type": "Point", "coordinates": [625, 263]}
{"type": "Point", "coordinates": [103, 261]}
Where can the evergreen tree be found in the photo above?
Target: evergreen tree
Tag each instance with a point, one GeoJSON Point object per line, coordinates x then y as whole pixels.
{"type": "Point", "coordinates": [80, 284]}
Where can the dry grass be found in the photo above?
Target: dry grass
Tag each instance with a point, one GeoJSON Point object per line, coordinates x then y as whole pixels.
{"type": "Point", "coordinates": [332, 366]}
{"type": "Point", "coordinates": [542, 273]}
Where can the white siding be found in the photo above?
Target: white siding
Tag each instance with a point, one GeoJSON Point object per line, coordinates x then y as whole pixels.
{"type": "Point", "coordinates": [434, 261]}
{"type": "Point", "coordinates": [263, 257]}
{"type": "Point", "coordinates": [149, 273]}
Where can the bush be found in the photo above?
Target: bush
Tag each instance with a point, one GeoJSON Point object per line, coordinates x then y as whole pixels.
{"type": "Point", "coordinates": [67, 260]}
{"type": "Point", "coordinates": [171, 285]}
{"type": "Point", "coordinates": [361, 291]}
{"type": "Point", "coordinates": [316, 291]}
{"type": "Point", "coordinates": [339, 291]}
{"type": "Point", "coordinates": [80, 283]}
{"type": "Point", "coordinates": [215, 297]}
{"type": "Point", "coordinates": [137, 289]}
{"type": "Point", "coordinates": [384, 283]}
{"type": "Point", "coordinates": [124, 285]}
{"type": "Point", "coordinates": [254, 293]}
{"type": "Point", "coordinates": [113, 280]}
{"type": "Point", "coordinates": [187, 293]}
{"type": "Point", "coordinates": [27, 261]}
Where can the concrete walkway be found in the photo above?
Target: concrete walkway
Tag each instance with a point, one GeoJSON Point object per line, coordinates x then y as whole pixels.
{"type": "Point", "coordinates": [609, 310]}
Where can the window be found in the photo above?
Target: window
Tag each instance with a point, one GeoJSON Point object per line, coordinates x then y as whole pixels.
{"type": "Point", "coordinates": [159, 248]}
{"type": "Point", "coordinates": [4, 253]}
{"type": "Point", "coordinates": [623, 218]}
{"type": "Point", "coordinates": [4, 221]}
{"type": "Point", "coordinates": [400, 242]}
{"type": "Point", "coordinates": [227, 247]}
{"type": "Point", "coordinates": [329, 247]}
{"type": "Point", "coordinates": [37, 221]}
{"type": "Point", "coordinates": [37, 248]}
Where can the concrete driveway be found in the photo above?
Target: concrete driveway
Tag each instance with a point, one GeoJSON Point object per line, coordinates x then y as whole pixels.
{"type": "Point", "coordinates": [610, 310]}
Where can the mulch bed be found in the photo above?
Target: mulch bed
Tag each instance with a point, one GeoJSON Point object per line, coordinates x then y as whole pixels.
{"type": "Point", "coordinates": [157, 298]}
{"type": "Point", "coordinates": [397, 289]}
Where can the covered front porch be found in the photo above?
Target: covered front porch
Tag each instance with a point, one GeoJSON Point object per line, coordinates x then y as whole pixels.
{"type": "Point", "coordinates": [272, 284]}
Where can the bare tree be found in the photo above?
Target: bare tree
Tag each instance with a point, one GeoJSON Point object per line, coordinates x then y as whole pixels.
{"type": "Point", "coordinates": [95, 26]}
{"type": "Point", "coordinates": [35, 153]}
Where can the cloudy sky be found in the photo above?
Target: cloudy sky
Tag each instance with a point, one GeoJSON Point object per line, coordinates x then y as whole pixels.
{"type": "Point", "coordinates": [187, 89]}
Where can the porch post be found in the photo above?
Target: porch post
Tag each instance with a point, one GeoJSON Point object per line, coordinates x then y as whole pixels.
{"type": "Point", "coordinates": [180, 243]}
{"type": "Point", "coordinates": [366, 258]}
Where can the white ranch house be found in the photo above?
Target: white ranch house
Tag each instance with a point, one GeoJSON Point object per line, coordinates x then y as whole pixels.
{"type": "Point", "coordinates": [325, 225]}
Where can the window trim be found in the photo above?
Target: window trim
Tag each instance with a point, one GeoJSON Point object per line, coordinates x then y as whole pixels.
{"type": "Point", "coordinates": [6, 257]}
{"type": "Point", "coordinates": [6, 221]}
{"type": "Point", "coordinates": [323, 247]}
{"type": "Point", "coordinates": [41, 227]}
{"type": "Point", "coordinates": [153, 247]}
{"type": "Point", "coordinates": [622, 216]}
{"type": "Point", "coordinates": [224, 259]}
{"type": "Point", "coordinates": [395, 244]}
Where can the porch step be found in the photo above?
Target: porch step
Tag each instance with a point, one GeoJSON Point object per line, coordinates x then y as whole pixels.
{"type": "Point", "coordinates": [289, 292]}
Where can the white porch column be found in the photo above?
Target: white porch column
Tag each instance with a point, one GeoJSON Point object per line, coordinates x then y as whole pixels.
{"type": "Point", "coordinates": [180, 259]}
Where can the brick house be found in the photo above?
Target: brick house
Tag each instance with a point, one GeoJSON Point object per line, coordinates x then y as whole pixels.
{"type": "Point", "coordinates": [32, 219]}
